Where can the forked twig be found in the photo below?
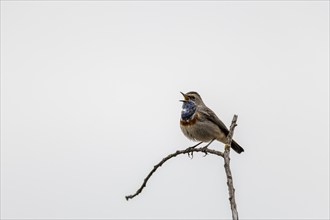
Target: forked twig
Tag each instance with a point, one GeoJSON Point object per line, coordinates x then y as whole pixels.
{"type": "Point", "coordinates": [190, 151]}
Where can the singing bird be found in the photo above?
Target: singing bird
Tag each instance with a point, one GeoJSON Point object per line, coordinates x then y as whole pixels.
{"type": "Point", "coordinates": [199, 123]}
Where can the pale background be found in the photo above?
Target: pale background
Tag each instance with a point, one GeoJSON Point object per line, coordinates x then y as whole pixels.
{"type": "Point", "coordinates": [89, 103]}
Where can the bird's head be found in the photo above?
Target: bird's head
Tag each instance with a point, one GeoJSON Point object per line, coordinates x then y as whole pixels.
{"type": "Point", "coordinates": [192, 96]}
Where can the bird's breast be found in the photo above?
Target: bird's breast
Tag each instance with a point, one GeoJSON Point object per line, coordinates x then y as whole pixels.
{"type": "Point", "coordinates": [188, 127]}
{"type": "Point", "coordinates": [189, 122]}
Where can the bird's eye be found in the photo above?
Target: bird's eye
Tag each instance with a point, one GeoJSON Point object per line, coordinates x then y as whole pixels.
{"type": "Point", "coordinates": [192, 98]}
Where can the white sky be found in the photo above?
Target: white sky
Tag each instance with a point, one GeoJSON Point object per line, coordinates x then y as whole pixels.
{"type": "Point", "coordinates": [89, 103]}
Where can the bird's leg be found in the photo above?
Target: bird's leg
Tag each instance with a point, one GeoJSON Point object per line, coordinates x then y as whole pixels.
{"type": "Point", "coordinates": [196, 145]}
{"type": "Point", "coordinates": [204, 148]}
{"type": "Point", "coordinates": [209, 143]}
{"type": "Point", "coordinates": [190, 148]}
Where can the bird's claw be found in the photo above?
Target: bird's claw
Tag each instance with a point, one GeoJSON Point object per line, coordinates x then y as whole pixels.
{"type": "Point", "coordinates": [204, 151]}
{"type": "Point", "coordinates": [191, 153]}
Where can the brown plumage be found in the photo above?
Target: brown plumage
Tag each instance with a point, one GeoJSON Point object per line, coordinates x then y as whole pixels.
{"type": "Point", "coordinates": [203, 124]}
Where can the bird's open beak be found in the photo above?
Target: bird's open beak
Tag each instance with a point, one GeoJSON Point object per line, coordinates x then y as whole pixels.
{"type": "Point", "coordinates": [185, 97]}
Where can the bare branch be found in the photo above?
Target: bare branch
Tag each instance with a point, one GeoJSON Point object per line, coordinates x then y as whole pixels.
{"type": "Point", "coordinates": [188, 151]}
{"type": "Point", "coordinates": [230, 183]}
{"type": "Point", "coordinates": [205, 150]}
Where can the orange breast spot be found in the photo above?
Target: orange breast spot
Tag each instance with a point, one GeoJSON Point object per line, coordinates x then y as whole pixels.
{"type": "Point", "coordinates": [189, 122]}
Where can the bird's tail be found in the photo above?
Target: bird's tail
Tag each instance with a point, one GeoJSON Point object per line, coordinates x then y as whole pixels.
{"type": "Point", "coordinates": [235, 146]}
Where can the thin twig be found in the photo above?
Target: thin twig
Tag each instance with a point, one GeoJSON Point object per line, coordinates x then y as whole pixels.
{"type": "Point", "coordinates": [230, 183]}
{"type": "Point", "coordinates": [191, 150]}
{"type": "Point", "coordinates": [188, 151]}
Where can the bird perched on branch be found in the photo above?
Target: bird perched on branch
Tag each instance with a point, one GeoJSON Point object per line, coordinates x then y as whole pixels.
{"type": "Point", "coordinates": [199, 123]}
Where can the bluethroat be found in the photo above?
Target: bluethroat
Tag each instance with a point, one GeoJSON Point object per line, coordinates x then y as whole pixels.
{"type": "Point", "coordinates": [199, 123]}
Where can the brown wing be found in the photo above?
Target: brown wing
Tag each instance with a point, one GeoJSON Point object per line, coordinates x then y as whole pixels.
{"type": "Point", "coordinates": [210, 115]}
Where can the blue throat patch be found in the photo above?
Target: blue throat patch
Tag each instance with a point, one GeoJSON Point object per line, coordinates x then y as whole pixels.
{"type": "Point", "coordinates": [188, 109]}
